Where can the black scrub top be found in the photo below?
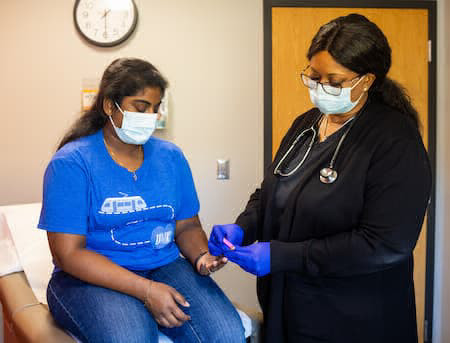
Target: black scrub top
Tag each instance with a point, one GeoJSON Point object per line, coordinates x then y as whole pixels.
{"type": "Point", "coordinates": [287, 184]}
{"type": "Point", "coordinates": [342, 253]}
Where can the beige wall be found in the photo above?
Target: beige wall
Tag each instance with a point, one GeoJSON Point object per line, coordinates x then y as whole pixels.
{"type": "Point", "coordinates": [211, 52]}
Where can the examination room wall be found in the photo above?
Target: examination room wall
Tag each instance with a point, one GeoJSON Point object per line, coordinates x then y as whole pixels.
{"type": "Point", "coordinates": [211, 53]}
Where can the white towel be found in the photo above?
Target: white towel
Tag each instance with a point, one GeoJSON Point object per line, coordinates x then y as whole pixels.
{"type": "Point", "coordinates": [31, 245]}
{"type": "Point", "coordinates": [9, 260]}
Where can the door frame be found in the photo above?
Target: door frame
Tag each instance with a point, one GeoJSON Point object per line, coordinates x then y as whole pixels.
{"type": "Point", "coordinates": [432, 29]}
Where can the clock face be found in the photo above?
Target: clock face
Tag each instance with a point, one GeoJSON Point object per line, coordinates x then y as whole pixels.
{"type": "Point", "coordinates": [105, 22]}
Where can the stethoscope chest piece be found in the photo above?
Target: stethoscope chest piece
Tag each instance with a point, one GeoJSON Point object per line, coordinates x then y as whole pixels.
{"type": "Point", "coordinates": [328, 175]}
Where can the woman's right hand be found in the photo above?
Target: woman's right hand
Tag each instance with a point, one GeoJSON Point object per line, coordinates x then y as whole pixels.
{"type": "Point", "coordinates": [231, 232]}
{"type": "Point", "coordinates": [162, 301]}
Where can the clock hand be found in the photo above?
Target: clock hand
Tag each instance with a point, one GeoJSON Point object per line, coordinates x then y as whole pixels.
{"type": "Point", "coordinates": [107, 10]}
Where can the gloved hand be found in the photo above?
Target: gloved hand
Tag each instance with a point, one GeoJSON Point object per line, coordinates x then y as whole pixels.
{"type": "Point", "coordinates": [253, 258]}
{"type": "Point", "coordinates": [232, 232]}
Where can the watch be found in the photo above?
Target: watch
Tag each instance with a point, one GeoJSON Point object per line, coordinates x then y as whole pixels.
{"type": "Point", "coordinates": [105, 22]}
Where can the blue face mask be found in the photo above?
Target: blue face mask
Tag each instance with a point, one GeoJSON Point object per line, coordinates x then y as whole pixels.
{"type": "Point", "coordinates": [334, 104]}
{"type": "Point", "coordinates": [136, 127]}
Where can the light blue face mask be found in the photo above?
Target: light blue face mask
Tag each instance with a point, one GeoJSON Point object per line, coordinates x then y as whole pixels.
{"type": "Point", "coordinates": [136, 127]}
{"type": "Point", "coordinates": [334, 104]}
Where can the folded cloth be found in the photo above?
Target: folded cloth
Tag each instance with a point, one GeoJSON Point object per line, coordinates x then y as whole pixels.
{"type": "Point", "coordinates": [31, 245]}
{"type": "Point", "coordinates": [9, 260]}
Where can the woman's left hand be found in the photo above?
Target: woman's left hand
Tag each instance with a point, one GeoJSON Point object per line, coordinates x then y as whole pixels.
{"type": "Point", "coordinates": [208, 263]}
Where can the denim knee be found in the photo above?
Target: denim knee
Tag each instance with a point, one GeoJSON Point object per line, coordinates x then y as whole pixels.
{"type": "Point", "coordinates": [131, 332]}
{"type": "Point", "coordinates": [222, 326]}
{"type": "Point", "coordinates": [98, 315]}
{"type": "Point", "coordinates": [228, 329]}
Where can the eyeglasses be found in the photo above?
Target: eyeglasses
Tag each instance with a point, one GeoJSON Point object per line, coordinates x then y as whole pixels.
{"type": "Point", "coordinates": [327, 88]}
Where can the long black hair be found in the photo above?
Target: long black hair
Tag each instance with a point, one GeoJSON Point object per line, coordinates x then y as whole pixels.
{"type": "Point", "coordinates": [123, 77]}
{"type": "Point", "coordinates": [359, 45]}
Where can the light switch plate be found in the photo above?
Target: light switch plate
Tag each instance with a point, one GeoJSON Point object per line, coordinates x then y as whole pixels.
{"type": "Point", "coordinates": [223, 169]}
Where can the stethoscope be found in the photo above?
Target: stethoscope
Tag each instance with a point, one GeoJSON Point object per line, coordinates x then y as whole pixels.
{"type": "Point", "coordinates": [327, 174]}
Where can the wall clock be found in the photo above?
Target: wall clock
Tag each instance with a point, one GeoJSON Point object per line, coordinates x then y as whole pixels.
{"type": "Point", "coordinates": [105, 22]}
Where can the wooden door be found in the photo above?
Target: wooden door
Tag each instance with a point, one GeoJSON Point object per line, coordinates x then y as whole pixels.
{"type": "Point", "coordinates": [407, 31]}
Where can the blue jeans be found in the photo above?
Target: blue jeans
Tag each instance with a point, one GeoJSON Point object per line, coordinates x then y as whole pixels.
{"type": "Point", "coordinates": [96, 314]}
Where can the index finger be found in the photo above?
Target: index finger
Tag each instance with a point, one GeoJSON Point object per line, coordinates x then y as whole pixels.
{"type": "Point", "coordinates": [179, 298]}
{"type": "Point", "coordinates": [217, 234]}
{"type": "Point", "coordinates": [179, 314]}
{"type": "Point", "coordinates": [214, 249]}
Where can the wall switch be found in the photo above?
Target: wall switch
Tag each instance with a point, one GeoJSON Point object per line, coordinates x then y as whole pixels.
{"type": "Point", "coordinates": [223, 169]}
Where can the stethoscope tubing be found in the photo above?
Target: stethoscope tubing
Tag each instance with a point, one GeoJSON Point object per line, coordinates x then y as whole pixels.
{"type": "Point", "coordinates": [278, 171]}
{"type": "Point", "coordinates": [327, 174]}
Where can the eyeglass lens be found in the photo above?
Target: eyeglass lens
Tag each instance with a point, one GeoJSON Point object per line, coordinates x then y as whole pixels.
{"type": "Point", "coordinates": [310, 83]}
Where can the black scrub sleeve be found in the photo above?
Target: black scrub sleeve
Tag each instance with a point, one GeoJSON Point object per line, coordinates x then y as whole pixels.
{"type": "Point", "coordinates": [249, 219]}
{"type": "Point", "coordinates": [396, 197]}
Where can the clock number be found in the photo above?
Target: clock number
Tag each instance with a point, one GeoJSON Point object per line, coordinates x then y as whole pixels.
{"type": "Point", "coordinates": [88, 25]}
{"type": "Point", "coordinates": [115, 32]}
{"type": "Point", "coordinates": [105, 35]}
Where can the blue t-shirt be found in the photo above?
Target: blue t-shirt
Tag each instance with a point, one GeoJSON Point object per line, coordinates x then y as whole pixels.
{"type": "Point", "coordinates": [132, 222]}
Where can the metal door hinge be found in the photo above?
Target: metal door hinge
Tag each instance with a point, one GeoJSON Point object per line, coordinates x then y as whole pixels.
{"type": "Point", "coordinates": [430, 45]}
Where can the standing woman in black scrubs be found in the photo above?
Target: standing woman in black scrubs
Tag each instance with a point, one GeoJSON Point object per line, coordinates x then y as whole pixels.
{"type": "Point", "coordinates": [341, 207]}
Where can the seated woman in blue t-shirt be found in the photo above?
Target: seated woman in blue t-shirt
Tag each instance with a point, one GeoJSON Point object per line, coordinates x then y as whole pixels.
{"type": "Point", "coordinates": [119, 206]}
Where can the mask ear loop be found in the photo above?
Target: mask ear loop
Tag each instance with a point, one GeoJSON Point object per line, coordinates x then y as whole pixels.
{"type": "Point", "coordinates": [361, 78]}
{"type": "Point", "coordinates": [362, 94]}
{"type": "Point", "coordinates": [110, 116]}
{"type": "Point", "coordinates": [124, 113]}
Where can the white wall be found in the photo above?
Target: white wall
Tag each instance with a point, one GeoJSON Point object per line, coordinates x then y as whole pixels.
{"type": "Point", "coordinates": [211, 53]}
{"type": "Point", "coordinates": [441, 329]}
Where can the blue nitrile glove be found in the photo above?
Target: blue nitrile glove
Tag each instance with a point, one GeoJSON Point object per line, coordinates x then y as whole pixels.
{"type": "Point", "coordinates": [253, 258]}
{"type": "Point", "coordinates": [232, 232]}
